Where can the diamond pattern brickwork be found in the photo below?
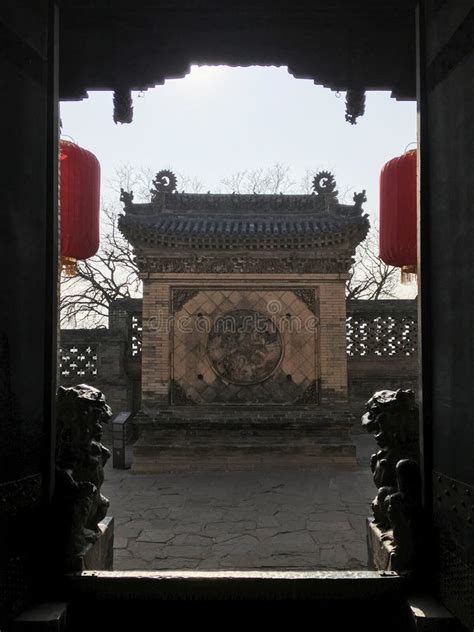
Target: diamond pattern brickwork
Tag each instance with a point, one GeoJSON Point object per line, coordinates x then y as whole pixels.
{"type": "Point", "coordinates": [194, 372]}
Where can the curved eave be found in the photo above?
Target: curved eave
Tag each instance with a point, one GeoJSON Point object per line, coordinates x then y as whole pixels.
{"type": "Point", "coordinates": [292, 236]}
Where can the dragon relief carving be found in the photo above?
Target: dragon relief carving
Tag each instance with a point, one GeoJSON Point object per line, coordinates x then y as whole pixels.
{"type": "Point", "coordinates": [244, 346]}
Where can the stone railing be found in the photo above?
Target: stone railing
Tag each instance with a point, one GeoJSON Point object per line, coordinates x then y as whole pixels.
{"type": "Point", "coordinates": [108, 358]}
{"type": "Point", "coordinates": [381, 328]}
{"type": "Point", "coordinates": [382, 344]}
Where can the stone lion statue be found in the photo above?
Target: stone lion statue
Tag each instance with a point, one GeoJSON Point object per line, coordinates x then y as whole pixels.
{"type": "Point", "coordinates": [392, 417]}
{"type": "Point", "coordinates": [80, 461]}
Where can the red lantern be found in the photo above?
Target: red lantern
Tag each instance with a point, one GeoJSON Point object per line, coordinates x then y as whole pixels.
{"type": "Point", "coordinates": [397, 245]}
{"type": "Point", "coordinates": [80, 203]}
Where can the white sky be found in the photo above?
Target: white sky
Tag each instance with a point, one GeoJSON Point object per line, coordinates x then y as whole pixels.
{"type": "Point", "coordinates": [219, 120]}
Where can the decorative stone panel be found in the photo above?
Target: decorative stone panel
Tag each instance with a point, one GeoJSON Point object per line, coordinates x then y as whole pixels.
{"type": "Point", "coordinates": [135, 335]}
{"type": "Point", "coordinates": [78, 361]}
{"type": "Point", "coordinates": [381, 335]}
{"type": "Point", "coordinates": [244, 346]}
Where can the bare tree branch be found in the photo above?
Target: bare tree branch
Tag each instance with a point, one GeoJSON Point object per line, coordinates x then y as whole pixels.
{"type": "Point", "coordinates": [369, 277]}
{"type": "Point", "coordinates": [272, 180]}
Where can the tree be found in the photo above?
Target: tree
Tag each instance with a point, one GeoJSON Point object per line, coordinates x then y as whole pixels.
{"type": "Point", "coordinates": [112, 273]}
{"type": "Point", "coordinates": [369, 277]}
{"type": "Point", "coordinates": [272, 180]}
{"type": "Point", "coordinates": [109, 275]}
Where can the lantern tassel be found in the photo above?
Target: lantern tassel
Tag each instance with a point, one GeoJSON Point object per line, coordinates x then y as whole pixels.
{"type": "Point", "coordinates": [69, 266]}
{"type": "Point", "coordinates": [408, 274]}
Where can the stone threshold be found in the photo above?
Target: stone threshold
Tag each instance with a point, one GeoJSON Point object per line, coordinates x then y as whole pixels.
{"type": "Point", "coordinates": [250, 584]}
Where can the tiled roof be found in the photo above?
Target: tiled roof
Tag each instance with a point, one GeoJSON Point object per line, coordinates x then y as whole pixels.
{"type": "Point", "coordinates": [293, 222]}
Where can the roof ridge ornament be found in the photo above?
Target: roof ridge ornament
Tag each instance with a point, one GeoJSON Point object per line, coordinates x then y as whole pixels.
{"type": "Point", "coordinates": [359, 199]}
{"type": "Point", "coordinates": [164, 182]}
{"type": "Point", "coordinates": [324, 184]}
{"type": "Point", "coordinates": [126, 197]}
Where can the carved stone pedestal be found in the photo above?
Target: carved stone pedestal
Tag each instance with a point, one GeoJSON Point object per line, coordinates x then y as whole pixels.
{"type": "Point", "coordinates": [100, 556]}
{"type": "Point", "coordinates": [378, 547]}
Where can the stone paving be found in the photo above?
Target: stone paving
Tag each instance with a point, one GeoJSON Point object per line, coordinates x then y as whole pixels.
{"type": "Point", "coordinates": [242, 520]}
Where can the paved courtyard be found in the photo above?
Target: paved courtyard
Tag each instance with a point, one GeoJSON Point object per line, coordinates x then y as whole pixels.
{"type": "Point", "coordinates": [242, 520]}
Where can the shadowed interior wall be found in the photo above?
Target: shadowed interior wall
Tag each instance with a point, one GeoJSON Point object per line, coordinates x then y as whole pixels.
{"type": "Point", "coordinates": [447, 264]}
{"type": "Point", "coordinates": [27, 237]}
{"type": "Point", "coordinates": [27, 301]}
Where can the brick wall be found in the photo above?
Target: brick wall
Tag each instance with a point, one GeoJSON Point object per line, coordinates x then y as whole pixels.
{"type": "Point", "coordinates": [157, 366]}
{"type": "Point", "coordinates": [381, 347]}
{"type": "Point", "coordinates": [104, 357]}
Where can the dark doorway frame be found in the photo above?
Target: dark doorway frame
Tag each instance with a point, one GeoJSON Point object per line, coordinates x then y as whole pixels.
{"type": "Point", "coordinates": [444, 60]}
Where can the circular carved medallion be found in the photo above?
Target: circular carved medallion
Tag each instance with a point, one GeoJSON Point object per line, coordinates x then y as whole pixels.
{"type": "Point", "coordinates": [244, 346]}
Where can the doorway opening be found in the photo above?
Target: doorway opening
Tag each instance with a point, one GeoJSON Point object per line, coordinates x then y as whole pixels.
{"type": "Point", "coordinates": [255, 138]}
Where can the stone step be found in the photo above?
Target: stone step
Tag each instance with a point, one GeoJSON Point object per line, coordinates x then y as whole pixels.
{"type": "Point", "coordinates": [231, 442]}
{"type": "Point", "coordinates": [261, 434]}
{"type": "Point", "coordinates": [324, 448]}
{"type": "Point", "coordinates": [347, 600]}
{"type": "Point", "coordinates": [203, 426]}
{"type": "Point", "coordinates": [247, 414]}
{"type": "Point", "coordinates": [260, 440]}
{"type": "Point", "coordinates": [277, 424]}
{"type": "Point", "coordinates": [245, 438]}
{"type": "Point", "coordinates": [247, 420]}
{"type": "Point", "coordinates": [172, 458]}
